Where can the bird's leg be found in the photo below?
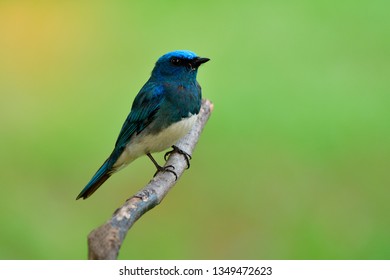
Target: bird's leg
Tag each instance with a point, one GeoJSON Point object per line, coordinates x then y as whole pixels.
{"type": "Point", "coordinates": [179, 151]}
{"type": "Point", "coordinates": [162, 168]}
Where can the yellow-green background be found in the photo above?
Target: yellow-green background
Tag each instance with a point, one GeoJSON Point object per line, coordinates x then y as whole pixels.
{"type": "Point", "coordinates": [293, 164]}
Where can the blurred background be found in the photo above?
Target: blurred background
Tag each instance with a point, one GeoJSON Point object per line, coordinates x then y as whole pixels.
{"type": "Point", "coordinates": [293, 164]}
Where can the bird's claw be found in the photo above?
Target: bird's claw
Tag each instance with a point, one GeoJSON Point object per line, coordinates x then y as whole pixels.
{"type": "Point", "coordinates": [176, 149]}
{"type": "Point", "coordinates": [162, 168]}
{"type": "Point", "coordinates": [166, 169]}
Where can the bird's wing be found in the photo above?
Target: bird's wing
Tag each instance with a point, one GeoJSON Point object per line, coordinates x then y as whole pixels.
{"type": "Point", "coordinates": [143, 112]}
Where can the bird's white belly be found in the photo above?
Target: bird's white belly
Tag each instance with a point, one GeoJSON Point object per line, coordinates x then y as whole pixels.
{"type": "Point", "coordinates": [150, 143]}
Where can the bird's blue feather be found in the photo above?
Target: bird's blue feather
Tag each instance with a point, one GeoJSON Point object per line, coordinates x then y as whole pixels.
{"type": "Point", "coordinates": [144, 109]}
{"type": "Point", "coordinates": [99, 178]}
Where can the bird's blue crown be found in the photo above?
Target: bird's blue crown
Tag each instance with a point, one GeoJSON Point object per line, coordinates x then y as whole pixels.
{"type": "Point", "coordinates": [183, 54]}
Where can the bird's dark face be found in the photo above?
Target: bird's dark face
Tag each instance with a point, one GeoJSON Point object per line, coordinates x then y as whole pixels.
{"type": "Point", "coordinates": [178, 65]}
{"type": "Point", "coordinates": [189, 64]}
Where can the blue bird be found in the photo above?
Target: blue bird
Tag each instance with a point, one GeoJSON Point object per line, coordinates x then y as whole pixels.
{"type": "Point", "coordinates": [163, 111]}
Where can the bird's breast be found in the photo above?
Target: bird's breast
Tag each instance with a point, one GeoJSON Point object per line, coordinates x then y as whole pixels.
{"type": "Point", "coordinates": [168, 136]}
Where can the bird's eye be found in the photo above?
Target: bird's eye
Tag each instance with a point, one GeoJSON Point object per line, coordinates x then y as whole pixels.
{"type": "Point", "coordinates": [175, 61]}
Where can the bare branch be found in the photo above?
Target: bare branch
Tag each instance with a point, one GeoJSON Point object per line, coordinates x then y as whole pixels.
{"type": "Point", "coordinates": [105, 241]}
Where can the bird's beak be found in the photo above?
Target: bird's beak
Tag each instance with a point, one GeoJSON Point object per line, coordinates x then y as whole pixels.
{"type": "Point", "coordinates": [198, 61]}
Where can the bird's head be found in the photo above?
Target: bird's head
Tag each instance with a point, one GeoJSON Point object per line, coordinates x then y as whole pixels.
{"type": "Point", "coordinates": [178, 65]}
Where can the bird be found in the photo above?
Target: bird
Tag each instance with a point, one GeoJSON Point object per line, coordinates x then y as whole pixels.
{"type": "Point", "coordinates": [163, 111]}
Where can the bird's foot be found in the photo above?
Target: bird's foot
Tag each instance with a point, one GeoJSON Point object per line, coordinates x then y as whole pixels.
{"type": "Point", "coordinates": [168, 168]}
{"type": "Point", "coordinates": [176, 149]}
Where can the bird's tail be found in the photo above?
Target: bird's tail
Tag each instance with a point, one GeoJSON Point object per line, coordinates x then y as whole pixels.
{"type": "Point", "coordinates": [97, 180]}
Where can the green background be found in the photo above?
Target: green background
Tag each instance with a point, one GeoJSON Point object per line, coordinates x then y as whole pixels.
{"type": "Point", "coordinates": [293, 164]}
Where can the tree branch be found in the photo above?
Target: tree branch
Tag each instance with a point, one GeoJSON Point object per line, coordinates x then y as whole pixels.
{"type": "Point", "coordinates": [105, 241]}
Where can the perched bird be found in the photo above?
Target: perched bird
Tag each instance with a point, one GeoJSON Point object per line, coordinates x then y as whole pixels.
{"type": "Point", "coordinates": [163, 111]}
